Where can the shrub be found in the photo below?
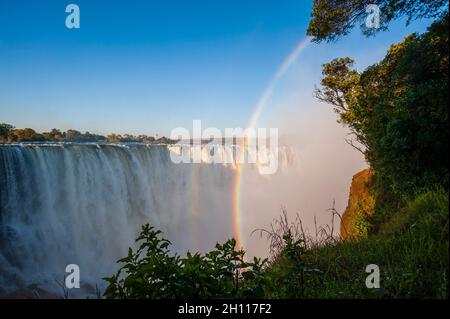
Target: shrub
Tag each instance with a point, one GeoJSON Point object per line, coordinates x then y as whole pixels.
{"type": "Point", "coordinates": [152, 272]}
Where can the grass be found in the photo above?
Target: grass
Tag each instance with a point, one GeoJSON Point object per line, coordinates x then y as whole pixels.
{"type": "Point", "coordinates": [411, 250]}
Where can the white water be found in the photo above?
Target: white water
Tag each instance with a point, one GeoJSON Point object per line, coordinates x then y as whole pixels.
{"type": "Point", "coordinates": [84, 204]}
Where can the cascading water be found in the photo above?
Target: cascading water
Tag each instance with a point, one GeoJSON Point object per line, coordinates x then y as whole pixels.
{"type": "Point", "coordinates": [84, 204]}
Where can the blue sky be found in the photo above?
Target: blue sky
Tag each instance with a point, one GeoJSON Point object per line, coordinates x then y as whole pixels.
{"type": "Point", "coordinates": [150, 66]}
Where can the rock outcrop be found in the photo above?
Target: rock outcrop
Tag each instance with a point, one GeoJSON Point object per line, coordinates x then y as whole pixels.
{"type": "Point", "coordinates": [360, 205]}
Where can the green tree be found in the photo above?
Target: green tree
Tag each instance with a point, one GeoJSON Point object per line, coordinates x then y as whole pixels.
{"type": "Point", "coordinates": [5, 129]}
{"type": "Point", "coordinates": [339, 86]}
{"type": "Point", "coordinates": [398, 109]}
{"type": "Point", "coordinates": [72, 136]}
{"type": "Point", "coordinates": [24, 135]}
{"type": "Point", "coordinates": [332, 19]}
{"type": "Point", "coordinates": [56, 135]}
{"type": "Point", "coordinates": [145, 139]}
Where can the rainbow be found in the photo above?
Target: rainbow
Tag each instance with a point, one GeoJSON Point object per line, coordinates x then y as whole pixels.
{"type": "Point", "coordinates": [262, 101]}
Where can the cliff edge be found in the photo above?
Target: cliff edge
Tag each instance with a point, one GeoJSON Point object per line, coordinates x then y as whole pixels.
{"type": "Point", "coordinates": [354, 223]}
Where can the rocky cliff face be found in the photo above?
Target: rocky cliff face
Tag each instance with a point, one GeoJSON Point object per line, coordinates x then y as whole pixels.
{"type": "Point", "coordinates": [354, 223]}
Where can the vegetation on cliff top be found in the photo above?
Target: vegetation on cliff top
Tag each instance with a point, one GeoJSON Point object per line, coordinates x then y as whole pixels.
{"type": "Point", "coordinates": [10, 134]}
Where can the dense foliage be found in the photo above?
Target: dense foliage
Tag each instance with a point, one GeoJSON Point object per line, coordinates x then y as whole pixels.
{"type": "Point", "coordinates": [332, 19]}
{"type": "Point", "coordinates": [152, 272]}
{"type": "Point", "coordinates": [397, 110]}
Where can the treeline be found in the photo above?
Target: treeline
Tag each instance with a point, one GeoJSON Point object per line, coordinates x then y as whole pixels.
{"type": "Point", "coordinates": [10, 134]}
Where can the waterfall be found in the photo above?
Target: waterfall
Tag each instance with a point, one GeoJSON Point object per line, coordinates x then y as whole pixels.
{"type": "Point", "coordinates": [84, 204]}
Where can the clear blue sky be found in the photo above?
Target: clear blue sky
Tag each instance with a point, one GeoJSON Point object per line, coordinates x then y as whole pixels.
{"type": "Point", "coordinates": [150, 66]}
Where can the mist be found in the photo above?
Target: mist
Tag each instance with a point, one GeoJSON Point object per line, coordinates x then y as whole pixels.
{"type": "Point", "coordinates": [321, 174]}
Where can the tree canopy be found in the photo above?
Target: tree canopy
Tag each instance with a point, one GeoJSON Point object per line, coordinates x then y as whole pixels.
{"type": "Point", "coordinates": [398, 109]}
{"type": "Point", "coordinates": [332, 19]}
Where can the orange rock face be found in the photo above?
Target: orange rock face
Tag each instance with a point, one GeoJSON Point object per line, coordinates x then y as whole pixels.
{"type": "Point", "coordinates": [360, 201]}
